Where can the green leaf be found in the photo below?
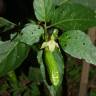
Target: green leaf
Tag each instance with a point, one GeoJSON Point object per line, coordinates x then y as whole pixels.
{"type": "Point", "coordinates": [31, 34]}
{"type": "Point", "coordinates": [78, 44]}
{"type": "Point", "coordinates": [5, 24]}
{"type": "Point", "coordinates": [89, 3]}
{"type": "Point", "coordinates": [59, 2]}
{"type": "Point", "coordinates": [71, 16]}
{"type": "Point", "coordinates": [43, 9]}
{"type": "Point", "coordinates": [12, 55]}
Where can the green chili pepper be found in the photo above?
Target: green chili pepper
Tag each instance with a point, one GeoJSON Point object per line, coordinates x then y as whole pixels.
{"type": "Point", "coordinates": [52, 67]}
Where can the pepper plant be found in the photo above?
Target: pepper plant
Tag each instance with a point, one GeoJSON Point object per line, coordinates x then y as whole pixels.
{"type": "Point", "coordinates": [59, 25]}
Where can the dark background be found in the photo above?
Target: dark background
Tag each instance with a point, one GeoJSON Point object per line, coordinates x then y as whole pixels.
{"type": "Point", "coordinates": [16, 10]}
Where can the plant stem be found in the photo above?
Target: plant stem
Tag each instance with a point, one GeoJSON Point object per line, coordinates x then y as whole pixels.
{"type": "Point", "coordinates": [45, 32]}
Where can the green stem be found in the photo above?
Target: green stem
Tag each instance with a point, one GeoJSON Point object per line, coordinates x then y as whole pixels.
{"type": "Point", "coordinates": [45, 32]}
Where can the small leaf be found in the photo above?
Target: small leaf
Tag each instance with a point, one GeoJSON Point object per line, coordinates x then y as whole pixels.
{"type": "Point", "coordinates": [5, 24]}
{"type": "Point", "coordinates": [31, 34]}
{"type": "Point", "coordinates": [43, 9]}
{"type": "Point", "coordinates": [78, 44]}
{"type": "Point", "coordinates": [12, 55]}
{"type": "Point", "coordinates": [71, 16]}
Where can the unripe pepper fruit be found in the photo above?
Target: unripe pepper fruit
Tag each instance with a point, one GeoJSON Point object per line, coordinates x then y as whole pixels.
{"type": "Point", "coordinates": [52, 67]}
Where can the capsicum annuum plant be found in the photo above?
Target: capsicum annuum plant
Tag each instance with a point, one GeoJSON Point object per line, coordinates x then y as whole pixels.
{"type": "Point", "coordinates": [61, 26]}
